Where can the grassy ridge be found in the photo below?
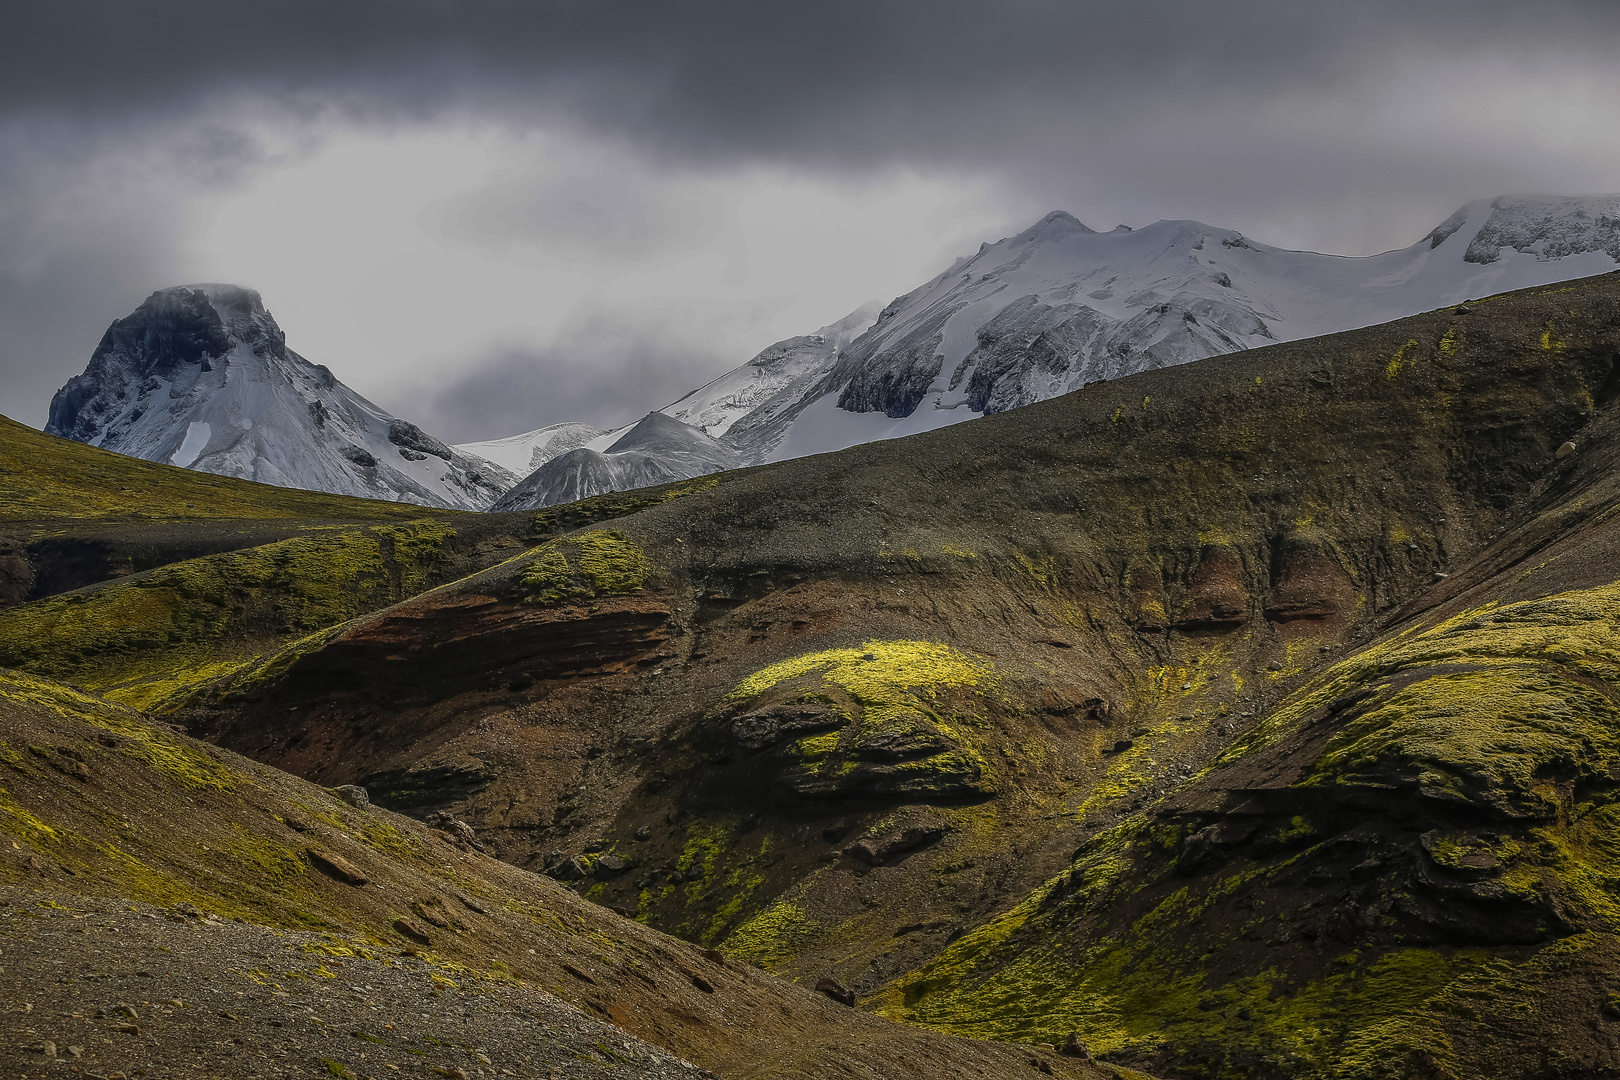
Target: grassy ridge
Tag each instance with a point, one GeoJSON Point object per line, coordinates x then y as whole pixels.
{"type": "Point", "coordinates": [43, 478]}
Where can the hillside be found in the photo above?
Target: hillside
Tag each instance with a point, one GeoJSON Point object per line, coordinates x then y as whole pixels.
{"type": "Point", "coordinates": [1406, 867]}
{"type": "Point", "coordinates": [977, 721]}
{"type": "Point", "coordinates": [838, 714]}
{"type": "Point", "coordinates": [147, 580]}
{"type": "Point", "coordinates": [171, 909]}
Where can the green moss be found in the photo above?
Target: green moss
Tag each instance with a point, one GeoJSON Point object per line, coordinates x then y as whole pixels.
{"type": "Point", "coordinates": [389, 839]}
{"type": "Point", "coordinates": [815, 747]}
{"type": "Point", "coordinates": [20, 822]}
{"type": "Point", "coordinates": [584, 565]}
{"type": "Point", "coordinates": [606, 507]}
{"type": "Point", "coordinates": [871, 672]}
{"type": "Point", "coordinates": [1575, 630]}
{"type": "Point", "coordinates": [1404, 357]}
{"type": "Point", "coordinates": [1042, 571]}
{"type": "Point", "coordinates": [772, 938]}
{"type": "Point", "coordinates": [1483, 736]}
{"type": "Point", "coordinates": [551, 579]}
{"type": "Point", "coordinates": [261, 857]}
{"type": "Point", "coordinates": [151, 639]}
{"type": "Point", "coordinates": [180, 762]}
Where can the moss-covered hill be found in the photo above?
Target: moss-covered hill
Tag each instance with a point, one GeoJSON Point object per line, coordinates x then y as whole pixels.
{"type": "Point", "coordinates": [837, 714]}
{"type": "Point", "coordinates": [72, 515]}
{"type": "Point", "coordinates": [1408, 867]}
{"type": "Point", "coordinates": [977, 721]}
{"type": "Point", "coordinates": [98, 802]}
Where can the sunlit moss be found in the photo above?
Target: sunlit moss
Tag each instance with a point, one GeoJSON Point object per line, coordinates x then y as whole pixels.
{"type": "Point", "coordinates": [179, 761]}
{"type": "Point", "coordinates": [870, 671]}
{"type": "Point", "coordinates": [1404, 357]}
{"type": "Point", "coordinates": [773, 937]}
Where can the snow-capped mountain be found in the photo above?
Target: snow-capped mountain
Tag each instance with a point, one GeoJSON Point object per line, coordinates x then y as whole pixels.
{"type": "Point", "coordinates": [1059, 305]}
{"type": "Point", "coordinates": [772, 381]}
{"type": "Point", "coordinates": [522, 454]}
{"type": "Point", "coordinates": [657, 450]}
{"type": "Point", "coordinates": [200, 376]}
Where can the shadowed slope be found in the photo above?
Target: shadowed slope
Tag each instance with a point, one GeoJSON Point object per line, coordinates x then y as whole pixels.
{"type": "Point", "coordinates": [96, 803]}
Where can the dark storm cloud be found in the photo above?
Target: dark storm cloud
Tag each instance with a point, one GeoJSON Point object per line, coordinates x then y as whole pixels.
{"type": "Point", "coordinates": [851, 80]}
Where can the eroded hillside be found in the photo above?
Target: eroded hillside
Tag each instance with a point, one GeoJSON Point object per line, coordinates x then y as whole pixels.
{"type": "Point", "coordinates": [1407, 868]}
{"type": "Point", "coordinates": [169, 908]}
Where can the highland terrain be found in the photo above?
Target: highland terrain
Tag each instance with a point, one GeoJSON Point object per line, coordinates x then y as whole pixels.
{"type": "Point", "coordinates": [1253, 717]}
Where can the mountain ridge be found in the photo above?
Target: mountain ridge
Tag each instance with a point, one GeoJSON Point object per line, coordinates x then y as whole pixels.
{"type": "Point", "coordinates": [1061, 305]}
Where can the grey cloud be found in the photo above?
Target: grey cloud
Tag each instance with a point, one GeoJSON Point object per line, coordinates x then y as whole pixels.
{"type": "Point", "coordinates": [1121, 112]}
{"type": "Point", "coordinates": [89, 226]}
{"type": "Point", "coordinates": [597, 205]}
{"type": "Point", "coordinates": [605, 367]}
{"type": "Point", "coordinates": [847, 78]}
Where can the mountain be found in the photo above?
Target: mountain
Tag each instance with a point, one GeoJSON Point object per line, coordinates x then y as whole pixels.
{"type": "Point", "coordinates": [657, 450]}
{"type": "Point", "coordinates": [522, 454]}
{"type": "Point", "coordinates": [1059, 306]}
{"type": "Point", "coordinates": [1251, 717]}
{"type": "Point", "coordinates": [1192, 711]}
{"type": "Point", "coordinates": [200, 376]}
{"type": "Point", "coordinates": [775, 379]}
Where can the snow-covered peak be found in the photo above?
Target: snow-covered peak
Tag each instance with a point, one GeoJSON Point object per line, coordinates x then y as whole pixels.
{"type": "Point", "coordinates": [655, 450]}
{"type": "Point", "coordinates": [1056, 226]}
{"type": "Point", "coordinates": [774, 379]}
{"type": "Point", "coordinates": [656, 431]}
{"type": "Point", "coordinates": [200, 376]}
{"type": "Point", "coordinates": [1059, 305]}
{"type": "Point", "coordinates": [522, 454]}
{"type": "Point", "coordinates": [1546, 226]}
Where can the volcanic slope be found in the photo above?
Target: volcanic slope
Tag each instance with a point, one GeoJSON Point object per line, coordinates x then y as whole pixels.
{"type": "Point", "coordinates": [171, 909]}
{"type": "Point", "coordinates": [832, 715]}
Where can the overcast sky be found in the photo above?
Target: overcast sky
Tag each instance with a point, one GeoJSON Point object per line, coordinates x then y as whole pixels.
{"type": "Point", "coordinates": [488, 216]}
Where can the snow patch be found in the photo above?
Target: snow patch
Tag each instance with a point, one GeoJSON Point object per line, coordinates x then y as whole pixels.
{"type": "Point", "coordinates": [198, 432]}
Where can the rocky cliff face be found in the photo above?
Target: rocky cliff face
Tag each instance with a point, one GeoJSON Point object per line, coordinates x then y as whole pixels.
{"type": "Point", "coordinates": [201, 377]}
